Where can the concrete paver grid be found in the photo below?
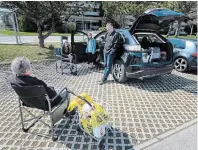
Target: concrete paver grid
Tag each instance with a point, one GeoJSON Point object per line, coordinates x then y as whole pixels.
{"type": "Point", "coordinates": [140, 110]}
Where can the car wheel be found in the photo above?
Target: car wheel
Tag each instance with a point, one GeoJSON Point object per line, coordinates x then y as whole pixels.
{"type": "Point", "coordinates": [119, 73]}
{"type": "Point", "coordinates": [181, 64]}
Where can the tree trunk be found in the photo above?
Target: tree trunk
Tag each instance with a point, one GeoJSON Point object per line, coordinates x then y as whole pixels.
{"type": "Point", "coordinates": [40, 36]}
{"type": "Point", "coordinates": [177, 30]}
{"type": "Point", "coordinates": [170, 29]}
{"type": "Point", "coordinates": [41, 42]}
{"type": "Point", "coordinates": [191, 29]}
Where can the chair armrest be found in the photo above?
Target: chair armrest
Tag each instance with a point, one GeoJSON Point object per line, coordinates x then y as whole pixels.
{"type": "Point", "coordinates": [73, 55]}
{"type": "Point", "coordinates": [50, 100]}
{"type": "Point", "coordinates": [51, 87]}
{"type": "Point", "coordinates": [58, 94]}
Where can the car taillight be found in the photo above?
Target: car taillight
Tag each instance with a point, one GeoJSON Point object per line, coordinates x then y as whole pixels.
{"type": "Point", "coordinates": [195, 54]}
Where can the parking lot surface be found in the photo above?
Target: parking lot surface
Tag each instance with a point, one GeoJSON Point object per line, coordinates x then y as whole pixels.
{"type": "Point", "coordinates": [140, 110]}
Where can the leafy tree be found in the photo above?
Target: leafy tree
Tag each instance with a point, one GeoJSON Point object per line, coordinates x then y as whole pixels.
{"type": "Point", "coordinates": [26, 24]}
{"type": "Point", "coordinates": [189, 8]}
{"type": "Point", "coordinates": [113, 9]}
{"type": "Point", "coordinates": [44, 13]}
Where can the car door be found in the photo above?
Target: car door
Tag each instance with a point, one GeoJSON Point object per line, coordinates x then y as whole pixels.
{"type": "Point", "coordinates": [100, 42]}
{"type": "Point", "coordinates": [79, 44]}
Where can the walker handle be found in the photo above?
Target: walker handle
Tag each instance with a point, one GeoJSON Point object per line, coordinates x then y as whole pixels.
{"type": "Point", "coordinates": [81, 98]}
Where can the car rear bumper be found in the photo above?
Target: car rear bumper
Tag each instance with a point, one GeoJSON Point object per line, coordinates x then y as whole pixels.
{"type": "Point", "coordinates": [150, 72]}
{"type": "Point", "coordinates": [193, 63]}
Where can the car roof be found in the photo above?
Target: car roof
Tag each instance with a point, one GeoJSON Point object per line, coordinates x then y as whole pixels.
{"type": "Point", "coordinates": [121, 30]}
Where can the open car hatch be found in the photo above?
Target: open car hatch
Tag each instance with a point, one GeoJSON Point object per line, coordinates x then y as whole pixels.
{"type": "Point", "coordinates": [156, 19]}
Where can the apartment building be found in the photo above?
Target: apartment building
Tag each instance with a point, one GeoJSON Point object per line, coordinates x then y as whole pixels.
{"type": "Point", "coordinates": [89, 20]}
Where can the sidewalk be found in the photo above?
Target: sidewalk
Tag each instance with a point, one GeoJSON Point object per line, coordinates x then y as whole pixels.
{"type": "Point", "coordinates": [34, 39]}
{"type": "Point", "coordinates": [185, 139]}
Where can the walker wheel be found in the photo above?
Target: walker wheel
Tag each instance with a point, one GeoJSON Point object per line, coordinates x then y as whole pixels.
{"type": "Point", "coordinates": [101, 146]}
{"type": "Point", "coordinates": [25, 130]}
{"type": "Point", "coordinates": [78, 129]}
{"type": "Point", "coordinates": [50, 131]}
{"type": "Point", "coordinates": [54, 139]}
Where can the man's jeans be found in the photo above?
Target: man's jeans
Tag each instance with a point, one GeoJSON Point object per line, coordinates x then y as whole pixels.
{"type": "Point", "coordinates": [108, 61]}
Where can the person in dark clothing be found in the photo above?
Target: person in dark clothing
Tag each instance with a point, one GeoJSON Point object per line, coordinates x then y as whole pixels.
{"type": "Point", "coordinates": [21, 69]}
{"type": "Point", "coordinates": [66, 50]}
{"type": "Point", "coordinates": [112, 42]}
{"type": "Point", "coordinates": [67, 54]}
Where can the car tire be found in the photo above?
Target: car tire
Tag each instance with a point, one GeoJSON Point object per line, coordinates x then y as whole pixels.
{"type": "Point", "coordinates": [181, 64]}
{"type": "Point", "coordinates": [119, 73]}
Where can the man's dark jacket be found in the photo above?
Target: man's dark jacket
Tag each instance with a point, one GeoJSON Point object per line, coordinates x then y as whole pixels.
{"type": "Point", "coordinates": [22, 81]}
{"type": "Point", "coordinates": [112, 42]}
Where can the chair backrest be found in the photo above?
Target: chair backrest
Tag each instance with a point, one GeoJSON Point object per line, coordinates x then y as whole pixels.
{"type": "Point", "coordinates": [145, 43]}
{"type": "Point", "coordinates": [58, 51]}
{"type": "Point", "coordinates": [32, 96]}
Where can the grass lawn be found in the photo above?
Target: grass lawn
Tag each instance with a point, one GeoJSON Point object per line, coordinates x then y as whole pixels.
{"type": "Point", "coordinates": [10, 32]}
{"type": "Point", "coordinates": [183, 37]}
{"type": "Point", "coordinates": [31, 51]}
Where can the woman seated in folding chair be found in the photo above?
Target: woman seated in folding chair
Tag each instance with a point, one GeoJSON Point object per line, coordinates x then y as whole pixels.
{"type": "Point", "coordinates": [66, 53]}
{"type": "Point", "coordinates": [21, 69]}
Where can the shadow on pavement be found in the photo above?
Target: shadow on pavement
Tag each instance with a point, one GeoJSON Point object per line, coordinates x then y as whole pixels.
{"type": "Point", "coordinates": [165, 83]}
{"type": "Point", "coordinates": [194, 72]}
{"type": "Point", "coordinates": [73, 139]}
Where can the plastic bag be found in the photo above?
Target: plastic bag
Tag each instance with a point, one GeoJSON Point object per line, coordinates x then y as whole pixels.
{"type": "Point", "coordinates": [90, 118]}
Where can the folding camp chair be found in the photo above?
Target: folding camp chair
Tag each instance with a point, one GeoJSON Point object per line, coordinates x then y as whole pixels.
{"type": "Point", "coordinates": [72, 65]}
{"type": "Point", "coordinates": [36, 97]}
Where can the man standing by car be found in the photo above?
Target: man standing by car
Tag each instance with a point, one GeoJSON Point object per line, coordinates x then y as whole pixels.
{"type": "Point", "coordinates": [112, 42]}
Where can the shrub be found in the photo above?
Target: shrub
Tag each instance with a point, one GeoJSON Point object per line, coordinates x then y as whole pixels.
{"type": "Point", "coordinates": [60, 29]}
{"type": "Point", "coordinates": [26, 24]}
{"type": "Point", "coordinates": [51, 47]}
{"type": "Point", "coordinates": [102, 29]}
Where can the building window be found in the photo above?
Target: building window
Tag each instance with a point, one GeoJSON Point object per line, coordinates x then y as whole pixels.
{"type": "Point", "coordinates": [94, 24]}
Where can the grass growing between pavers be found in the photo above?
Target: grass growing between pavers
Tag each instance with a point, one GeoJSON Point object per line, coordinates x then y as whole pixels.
{"type": "Point", "coordinates": [31, 51]}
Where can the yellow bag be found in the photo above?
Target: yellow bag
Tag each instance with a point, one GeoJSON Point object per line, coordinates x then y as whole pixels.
{"type": "Point", "coordinates": [96, 114]}
{"type": "Point", "coordinates": [86, 124]}
{"type": "Point", "coordinates": [79, 102]}
{"type": "Point", "coordinates": [99, 116]}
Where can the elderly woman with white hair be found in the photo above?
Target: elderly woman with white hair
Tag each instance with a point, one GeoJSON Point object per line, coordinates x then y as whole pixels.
{"type": "Point", "coordinates": [21, 68]}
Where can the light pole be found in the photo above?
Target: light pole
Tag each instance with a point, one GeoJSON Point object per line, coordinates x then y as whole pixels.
{"type": "Point", "coordinates": [83, 20]}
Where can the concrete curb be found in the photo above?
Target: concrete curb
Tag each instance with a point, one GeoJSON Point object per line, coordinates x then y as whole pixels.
{"type": "Point", "coordinates": [164, 135]}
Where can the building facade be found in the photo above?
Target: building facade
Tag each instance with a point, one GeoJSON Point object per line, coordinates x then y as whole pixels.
{"type": "Point", "coordinates": [89, 20]}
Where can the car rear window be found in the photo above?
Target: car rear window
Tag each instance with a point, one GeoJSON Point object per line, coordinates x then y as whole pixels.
{"type": "Point", "coordinates": [128, 39]}
{"type": "Point", "coordinates": [177, 43]}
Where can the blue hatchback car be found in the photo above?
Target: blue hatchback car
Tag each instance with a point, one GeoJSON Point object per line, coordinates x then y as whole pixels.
{"type": "Point", "coordinates": [185, 54]}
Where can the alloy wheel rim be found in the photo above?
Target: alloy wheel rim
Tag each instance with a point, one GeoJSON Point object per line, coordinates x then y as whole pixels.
{"type": "Point", "coordinates": [117, 71]}
{"type": "Point", "coordinates": [180, 64]}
